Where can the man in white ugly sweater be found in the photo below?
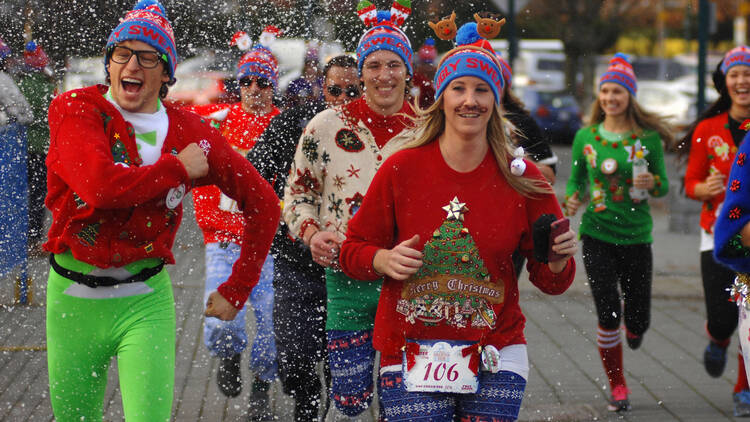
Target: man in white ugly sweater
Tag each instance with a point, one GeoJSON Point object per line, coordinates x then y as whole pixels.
{"type": "Point", "coordinates": [337, 156]}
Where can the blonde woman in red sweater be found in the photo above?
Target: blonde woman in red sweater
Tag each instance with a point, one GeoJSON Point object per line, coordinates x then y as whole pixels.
{"type": "Point", "coordinates": [440, 221]}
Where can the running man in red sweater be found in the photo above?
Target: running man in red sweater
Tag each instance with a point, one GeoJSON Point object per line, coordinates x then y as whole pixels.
{"type": "Point", "coordinates": [222, 224]}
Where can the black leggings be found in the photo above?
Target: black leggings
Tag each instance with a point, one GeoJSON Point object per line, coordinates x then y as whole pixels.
{"type": "Point", "coordinates": [721, 313]}
{"type": "Point", "coordinates": [611, 268]}
{"type": "Point", "coordinates": [37, 176]}
{"type": "Point", "coordinates": [299, 319]}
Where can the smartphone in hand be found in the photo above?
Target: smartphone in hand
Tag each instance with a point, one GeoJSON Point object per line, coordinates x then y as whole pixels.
{"type": "Point", "coordinates": [556, 229]}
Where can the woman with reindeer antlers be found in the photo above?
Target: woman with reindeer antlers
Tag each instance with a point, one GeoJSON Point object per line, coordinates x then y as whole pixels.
{"type": "Point", "coordinates": [450, 295]}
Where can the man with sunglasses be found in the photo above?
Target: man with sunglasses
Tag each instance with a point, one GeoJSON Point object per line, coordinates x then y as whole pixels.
{"type": "Point", "coordinates": [298, 283]}
{"type": "Point", "coordinates": [119, 164]}
{"type": "Point", "coordinates": [338, 154]}
{"type": "Point", "coordinates": [219, 219]}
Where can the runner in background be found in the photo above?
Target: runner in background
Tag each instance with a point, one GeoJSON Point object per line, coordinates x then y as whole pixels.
{"type": "Point", "coordinates": [710, 146]}
{"type": "Point", "coordinates": [336, 158]}
{"type": "Point", "coordinates": [221, 222]}
{"type": "Point", "coordinates": [618, 161]}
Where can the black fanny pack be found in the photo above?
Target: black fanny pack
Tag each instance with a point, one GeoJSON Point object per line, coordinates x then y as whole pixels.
{"type": "Point", "coordinates": [94, 281]}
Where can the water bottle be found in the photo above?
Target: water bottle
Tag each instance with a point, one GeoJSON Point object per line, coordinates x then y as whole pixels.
{"type": "Point", "coordinates": [640, 166]}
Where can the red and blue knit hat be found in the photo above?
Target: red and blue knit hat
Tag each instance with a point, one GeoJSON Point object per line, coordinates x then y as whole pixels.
{"type": "Point", "coordinates": [736, 56]}
{"type": "Point", "coordinates": [620, 71]}
{"type": "Point", "coordinates": [472, 56]}
{"type": "Point", "coordinates": [148, 22]}
{"type": "Point", "coordinates": [259, 62]}
{"type": "Point", "coordinates": [427, 53]}
{"type": "Point", "coordinates": [385, 33]}
{"type": "Point", "coordinates": [34, 57]}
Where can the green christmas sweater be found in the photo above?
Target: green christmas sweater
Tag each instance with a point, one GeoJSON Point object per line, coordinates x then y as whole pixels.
{"type": "Point", "coordinates": [602, 171]}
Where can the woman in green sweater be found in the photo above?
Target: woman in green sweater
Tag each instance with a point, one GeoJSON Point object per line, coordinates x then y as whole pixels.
{"type": "Point", "coordinates": [618, 161]}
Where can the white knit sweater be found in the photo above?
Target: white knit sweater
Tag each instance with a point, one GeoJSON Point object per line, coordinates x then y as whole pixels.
{"type": "Point", "coordinates": [335, 161]}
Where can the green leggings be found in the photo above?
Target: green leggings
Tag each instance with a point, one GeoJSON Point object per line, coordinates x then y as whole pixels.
{"type": "Point", "coordinates": [84, 334]}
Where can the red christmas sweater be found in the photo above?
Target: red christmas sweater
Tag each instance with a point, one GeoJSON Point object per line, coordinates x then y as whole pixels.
{"type": "Point", "coordinates": [241, 129]}
{"type": "Point", "coordinates": [406, 198]}
{"type": "Point", "coordinates": [111, 211]}
{"type": "Point", "coordinates": [712, 150]}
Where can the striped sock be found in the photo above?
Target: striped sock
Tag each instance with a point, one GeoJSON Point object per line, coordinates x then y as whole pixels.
{"type": "Point", "coordinates": [610, 350]}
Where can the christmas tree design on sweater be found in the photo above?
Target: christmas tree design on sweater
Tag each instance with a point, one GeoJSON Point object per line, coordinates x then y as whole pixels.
{"type": "Point", "coordinates": [453, 286]}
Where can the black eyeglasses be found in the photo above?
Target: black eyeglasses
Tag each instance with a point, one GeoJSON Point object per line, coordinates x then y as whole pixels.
{"type": "Point", "coordinates": [352, 91]}
{"type": "Point", "coordinates": [263, 83]}
{"type": "Point", "coordinates": [147, 59]}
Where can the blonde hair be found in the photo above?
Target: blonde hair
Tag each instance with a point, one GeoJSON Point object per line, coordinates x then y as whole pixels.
{"type": "Point", "coordinates": [430, 124]}
{"type": "Point", "coordinates": [638, 118]}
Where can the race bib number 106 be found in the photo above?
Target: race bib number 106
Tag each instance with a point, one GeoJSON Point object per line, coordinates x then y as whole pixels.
{"type": "Point", "coordinates": [440, 366]}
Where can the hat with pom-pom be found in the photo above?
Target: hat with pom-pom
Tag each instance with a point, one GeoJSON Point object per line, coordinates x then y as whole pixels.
{"type": "Point", "coordinates": [259, 62]}
{"type": "Point", "coordinates": [427, 53]}
{"type": "Point", "coordinates": [385, 33]}
{"type": "Point", "coordinates": [620, 71]}
{"type": "Point", "coordinates": [34, 56]}
{"type": "Point", "coordinates": [473, 54]}
{"type": "Point", "coordinates": [737, 56]}
{"type": "Point", "coordinates": [148, 23]}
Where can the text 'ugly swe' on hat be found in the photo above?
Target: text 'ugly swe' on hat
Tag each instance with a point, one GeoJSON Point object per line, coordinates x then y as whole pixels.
{"type": "Point", "coordinates": [473, 54]}
{"type": "Point", "coordinates": [148, 23]}
{"type": "Point", "coordinates": [385, 32]}
{"type": "Point", "coordinates": [620, 71]}
{"type": "Point", "coordinates": [739, 55]}
{"type": "Point", "coordinates": [259, 61]}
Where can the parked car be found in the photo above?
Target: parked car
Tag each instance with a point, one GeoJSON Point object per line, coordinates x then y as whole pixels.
{"type": "Point", "coordinates": [676, 100]}
{"type": "Point", "coordinates": [539, 62]}
{"type": "Point", "coordinates": [556, 112]}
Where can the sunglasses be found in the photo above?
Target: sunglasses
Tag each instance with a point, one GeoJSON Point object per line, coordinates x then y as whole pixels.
{"type": "Point", "coordinates": [262, 83]}
{"type": "Point", "coordinates": [352, 91]}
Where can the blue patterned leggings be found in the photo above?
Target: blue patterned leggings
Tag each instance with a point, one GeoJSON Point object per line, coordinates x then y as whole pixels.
{"type": "Point", "coordinates": [498, 400]}
{"type": "Point", "coordinates": [352, 360]}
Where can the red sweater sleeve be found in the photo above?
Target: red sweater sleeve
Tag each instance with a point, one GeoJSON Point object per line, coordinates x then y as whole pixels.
{"type": "Point", "coordinates": [697, 166]}
{"type": "Point", "coordinates": [217, 225]}
{"type": "Point", "coordinates": [80, 154]}
{"type": "Point", "coordinates": [235, 176]}
{"type": "Point", "coordinates": [539, 273]}
{"type": "Point", "coordinates": [372, 228]}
